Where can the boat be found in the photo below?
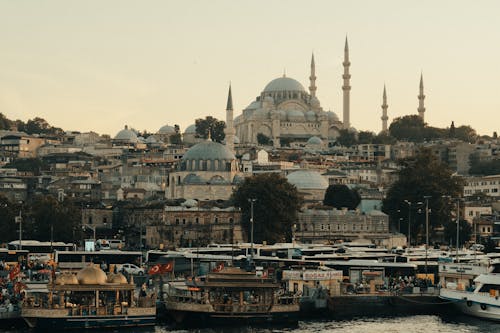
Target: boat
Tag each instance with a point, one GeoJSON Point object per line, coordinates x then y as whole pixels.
{"type": "Point", "coordinates": [473, 288]}
{"type": "Point", "coordinates": [89, 299]}
{"type": "Point", "coordinates": [229, 296]}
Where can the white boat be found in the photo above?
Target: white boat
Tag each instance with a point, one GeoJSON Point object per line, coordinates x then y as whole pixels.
{"type": "Point", "coordinates": [477, 296]}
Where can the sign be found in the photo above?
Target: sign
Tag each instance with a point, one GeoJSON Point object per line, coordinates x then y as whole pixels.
{"type": "Point", "coordinates": [312, 275]}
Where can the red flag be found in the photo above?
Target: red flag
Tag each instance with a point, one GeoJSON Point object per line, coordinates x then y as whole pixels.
{"type": "Point", "coordinates": [14, 272]}
{"type": "Point", "coordinates": [219, 267]}
{"type": "Point", "coordinates": [154, 269]}
{"type": "Point", "coordinates": [168, 267]}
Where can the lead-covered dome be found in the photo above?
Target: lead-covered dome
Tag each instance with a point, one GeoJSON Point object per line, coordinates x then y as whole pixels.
{"type": "Point", "coordinates": [284, 84]}
{"type": "Point", "coordinates": [208, 150]}
{"type": "Point", "coordinates": [307, 179]}
{"type": "Point", "coordinates": [126, 134]}
{"type": "Point", "coordinates": [191, 129]}
{"type": "Point", "coordinates": [167, 129]}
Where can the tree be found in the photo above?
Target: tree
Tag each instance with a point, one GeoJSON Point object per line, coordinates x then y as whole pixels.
{"type": "Point", "coordinates": [275, 209]}
{"type": "Point", "coordinates": [34, 165]}
{"type": "Point", "coordinates": [464, 232]}
{"type": "Point", "coordinates": [346, 138]}
{"type": "Point", "coordinates": [8, 211]}
{"type": "Point", "coordinates": [410, 128]}
{"type": "Point", "coordinates": [365, 137]}
{"type": "Point", "coordinates": [263, 139]}
{"type": "Point", "coordinates": [340, 196]}
{"type": "Point", "coordinates": [466, 133]}
{"type": "Point", "coordinates": [5, 124]}
{"type": "Point", "coordinates": [210, 125]}
{"type": "Point", "coordinates": [420, 176]}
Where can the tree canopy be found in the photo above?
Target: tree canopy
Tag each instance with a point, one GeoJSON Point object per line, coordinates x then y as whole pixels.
{"type": "Point", "coordinates": [210, 125]}
{"type": "Point", "coordinates": [277, 203]}
{"type": "Point", "coordinates": [422, 176]}
{"type": "Point", "coordinates": [340, 196]}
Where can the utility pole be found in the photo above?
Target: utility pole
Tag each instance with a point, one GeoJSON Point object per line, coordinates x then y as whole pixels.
{"type": "Point", "coordinates": [252, 201]}
{"type": "Point", "coordinates": [458, 226]}
{"type": "Point", "coordinates": [426, 197]}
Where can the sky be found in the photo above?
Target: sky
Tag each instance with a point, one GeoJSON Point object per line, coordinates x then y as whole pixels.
{"type": "Point", "coordinates": [98, 65]}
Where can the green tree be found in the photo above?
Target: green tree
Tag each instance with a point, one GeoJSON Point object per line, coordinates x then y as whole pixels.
{"type": "Point", "coordinates": [466, 133]}
{"type": "Point", "coordinates": [341, 196]}
{"type": "Point", "coordinates": [420, 176]}
{"type": "Point", "coordinates": [8, 211]}
{"type": "Point", "coordinates": [384, 138]}
{"type": "Point", "coordinates": [275, 209]}
{"type": "Point", "coordinates": [34, 165]}
{"type": "Point", "coordinates": [365, 137]}
{"type": "Point", "coordinates": [346, 138]}
{"type": "Point", "coordinates": [5, 124]}
{"type": "Point", "coordinates": [464, 232]}
{"type": "Point", "coordinates": [210, 125]}
{"type": "Point", "coordinates": [410, 128]}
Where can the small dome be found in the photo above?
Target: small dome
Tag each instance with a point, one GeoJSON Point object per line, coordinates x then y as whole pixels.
{"type": "Point", "coordinates": [332, 116]}
{"type": "Point", "coordinates": [151, 139]}
{"type": "Point", "coordinates": [208, 150]}
{"type": "Point", "coordinates": [307, 179]}
{"type": "Point", "coordinates": [191, 129]}
{"type": "Point", "coordinates": [315, 102]}
{"type": "Point", "coordinates": [66, 278]}
{"type": "Point", "coordinates": [284, 84]}
{"type": "Point", "coordinates": [117, 278]}
{"type": "Point", "coordinates": [314, 140]}
{"type": "Point", "coordinates": [310, 115]}
{"type": "Point", "coordinates": [190, 203]}
{"type": "Point", "coordinates": [126, 135]}
{"type": "Point", "coordinates": [193, 179]}
{"type": "Point", "coordinates": [295, 115]}
{"type": "Point", "coordinates": [166, 130]}
{"type": "Point", "coordinates": [91, 275]}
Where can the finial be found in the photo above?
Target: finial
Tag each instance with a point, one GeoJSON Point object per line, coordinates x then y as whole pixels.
{"type": "Point", "coordinates": [284, 72]}
{"type": "Point", "coordinates": [209, 138]}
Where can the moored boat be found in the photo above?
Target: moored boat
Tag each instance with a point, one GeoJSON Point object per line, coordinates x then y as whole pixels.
{"type": "Point", "coordinates": [89, 299]}
{"type": "Point", "coordinates": [230, 296]}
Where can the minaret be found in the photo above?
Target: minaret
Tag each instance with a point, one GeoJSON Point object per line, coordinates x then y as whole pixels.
{"type": "Point", "coordinates": [229, 130]}
{"type": "Point", "coordinates": [384, 111]}
{"type": "Point", "coordinates": [421, 97]}
{"type": "Point", "coordinates": [346, 87]}
{"type": "Point", "coordinates": [312, 78]}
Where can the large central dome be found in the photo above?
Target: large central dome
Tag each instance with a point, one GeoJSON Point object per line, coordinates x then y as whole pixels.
{"type": "Point", "coordinates": [284, 84]}
{"type": "Point", "coordinates": [208, 150]}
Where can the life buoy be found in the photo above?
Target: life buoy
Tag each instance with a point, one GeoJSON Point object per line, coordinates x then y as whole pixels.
{"type": "Point", "coordinates": [469, 303]}
{"type": "Point", "coordinates": [483, 306]}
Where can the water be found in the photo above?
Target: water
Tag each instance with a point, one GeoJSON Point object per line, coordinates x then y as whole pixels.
{"type": "Point", "coordinates": [410, 324]}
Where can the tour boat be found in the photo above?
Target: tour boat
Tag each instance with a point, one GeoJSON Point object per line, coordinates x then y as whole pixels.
{"type": "Point", "coordinates": [227, 297]}
{"type": "Point", "coordinates": [89, 299]}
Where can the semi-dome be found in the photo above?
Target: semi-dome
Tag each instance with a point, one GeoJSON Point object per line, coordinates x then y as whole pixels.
{"type": "Point", "coordinates": [295, 115]}
{"type": "Point", "coordinates": [190, 203]}
{"type": "Point", "coordinates": [307, 179]}
{"type": "Point", "coordinates": [191, 129]}
{"type": "Point", "coordinates": [314, 140]}
{"type": "Point", "coordinates": [126, 135]}
{"type": "Point", "coordinates": [117, 278]}
{"type": "Point", "coordinates": [284, 84]}
{"type": "Point", "coordinates": [332, 116]}
{"type": "Point", "coordinates": [167, 129]}
{"type": "Point", "coordinates": [91, 275]}
{"type": "Point", "coordinates": [260, 115]}
{"type": "Point", "coordinates": [310, 115]}
{"type": "Point", "coordinates": [208, 150]}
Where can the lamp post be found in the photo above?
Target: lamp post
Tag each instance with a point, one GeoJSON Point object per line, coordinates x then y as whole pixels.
{"type": "Point", "coordinates": [409, 222]}
{"type": "Point", "coordinates": [458, 226]}
{"type": "Point", "coordinates": [19, 219]}
{"type": "Point", "coordinates": [426, 197]}
{"type": "Point", "coordinates": [252, 201]}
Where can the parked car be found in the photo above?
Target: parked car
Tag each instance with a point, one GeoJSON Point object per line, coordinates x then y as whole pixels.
{"type": "Point", "coordinates": [131, 269]}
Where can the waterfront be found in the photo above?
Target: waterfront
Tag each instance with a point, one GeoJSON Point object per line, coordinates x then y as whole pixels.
{"type": "Point", "coordinates": [410, 324]}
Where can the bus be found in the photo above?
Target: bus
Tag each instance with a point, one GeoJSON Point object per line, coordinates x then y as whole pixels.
{"type": "Point", "coordinates": [12, 257]}
{"type": "Point", "coordinates": [69, 260]}
{"type": "Point", "coordinates": [42, 248]}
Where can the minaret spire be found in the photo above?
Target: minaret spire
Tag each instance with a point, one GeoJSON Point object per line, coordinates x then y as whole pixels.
{"type": "Point", "coordinates": [312, 78]}
{"type": "Point", "coordinates": [421, 97]}
{"type": "Point", "coordinates": [346, 88]}
{"type": "Point", "coordinates": [229, 130]}
{"type": "Point", "coordinates": [384, 111]}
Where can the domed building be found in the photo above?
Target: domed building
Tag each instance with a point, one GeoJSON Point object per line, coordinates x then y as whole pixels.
{"type": "Point", "coordinates": [207, 171]}
{"type": "Point", "coordinates": [125, 137]}
{"type": "Point", "coordinates": [189, 136]}
{"type": "Point", "coordinates": [285, 112]}
{"type": "Point", "coordinates": [310, 184]}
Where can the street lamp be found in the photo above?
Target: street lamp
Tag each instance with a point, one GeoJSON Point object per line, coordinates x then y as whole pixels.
{"type": "Point", "coordinates": [252, 201]}
{"type": "Point", "coordinates": [409, 222]}
{"type": "Point", "coordinates": [458, 225]}
{"type": "Point", "coordinates": [426, 197]}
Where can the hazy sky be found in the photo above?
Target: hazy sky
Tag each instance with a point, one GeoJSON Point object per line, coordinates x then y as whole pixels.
{"type": "Point", "coordinates": [99, 65]}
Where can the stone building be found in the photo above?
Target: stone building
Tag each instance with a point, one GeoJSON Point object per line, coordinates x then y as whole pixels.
{"type": "Point", "coordinates": [322, 226]}
{"type": "Point", "coordinates": [190, 225]}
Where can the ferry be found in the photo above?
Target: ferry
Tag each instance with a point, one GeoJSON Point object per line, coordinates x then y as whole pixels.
{"type": "Point", "coordinates": [231, 296]}
{"type": "Point", "coordinates": [473, 288]}
{"type": "Point", "coordinates": [88, 299]}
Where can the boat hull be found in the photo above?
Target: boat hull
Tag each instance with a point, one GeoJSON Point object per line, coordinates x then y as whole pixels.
{"type": "Point", "coordinates": [64, 323]}
{"type": "Point", "coordinates": [472, 304]}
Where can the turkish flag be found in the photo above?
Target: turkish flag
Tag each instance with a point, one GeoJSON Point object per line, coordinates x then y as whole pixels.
{"type": "Point", "coordinates": [154, 270]}
{"type": "Point", "coordinates": [168, 267]}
